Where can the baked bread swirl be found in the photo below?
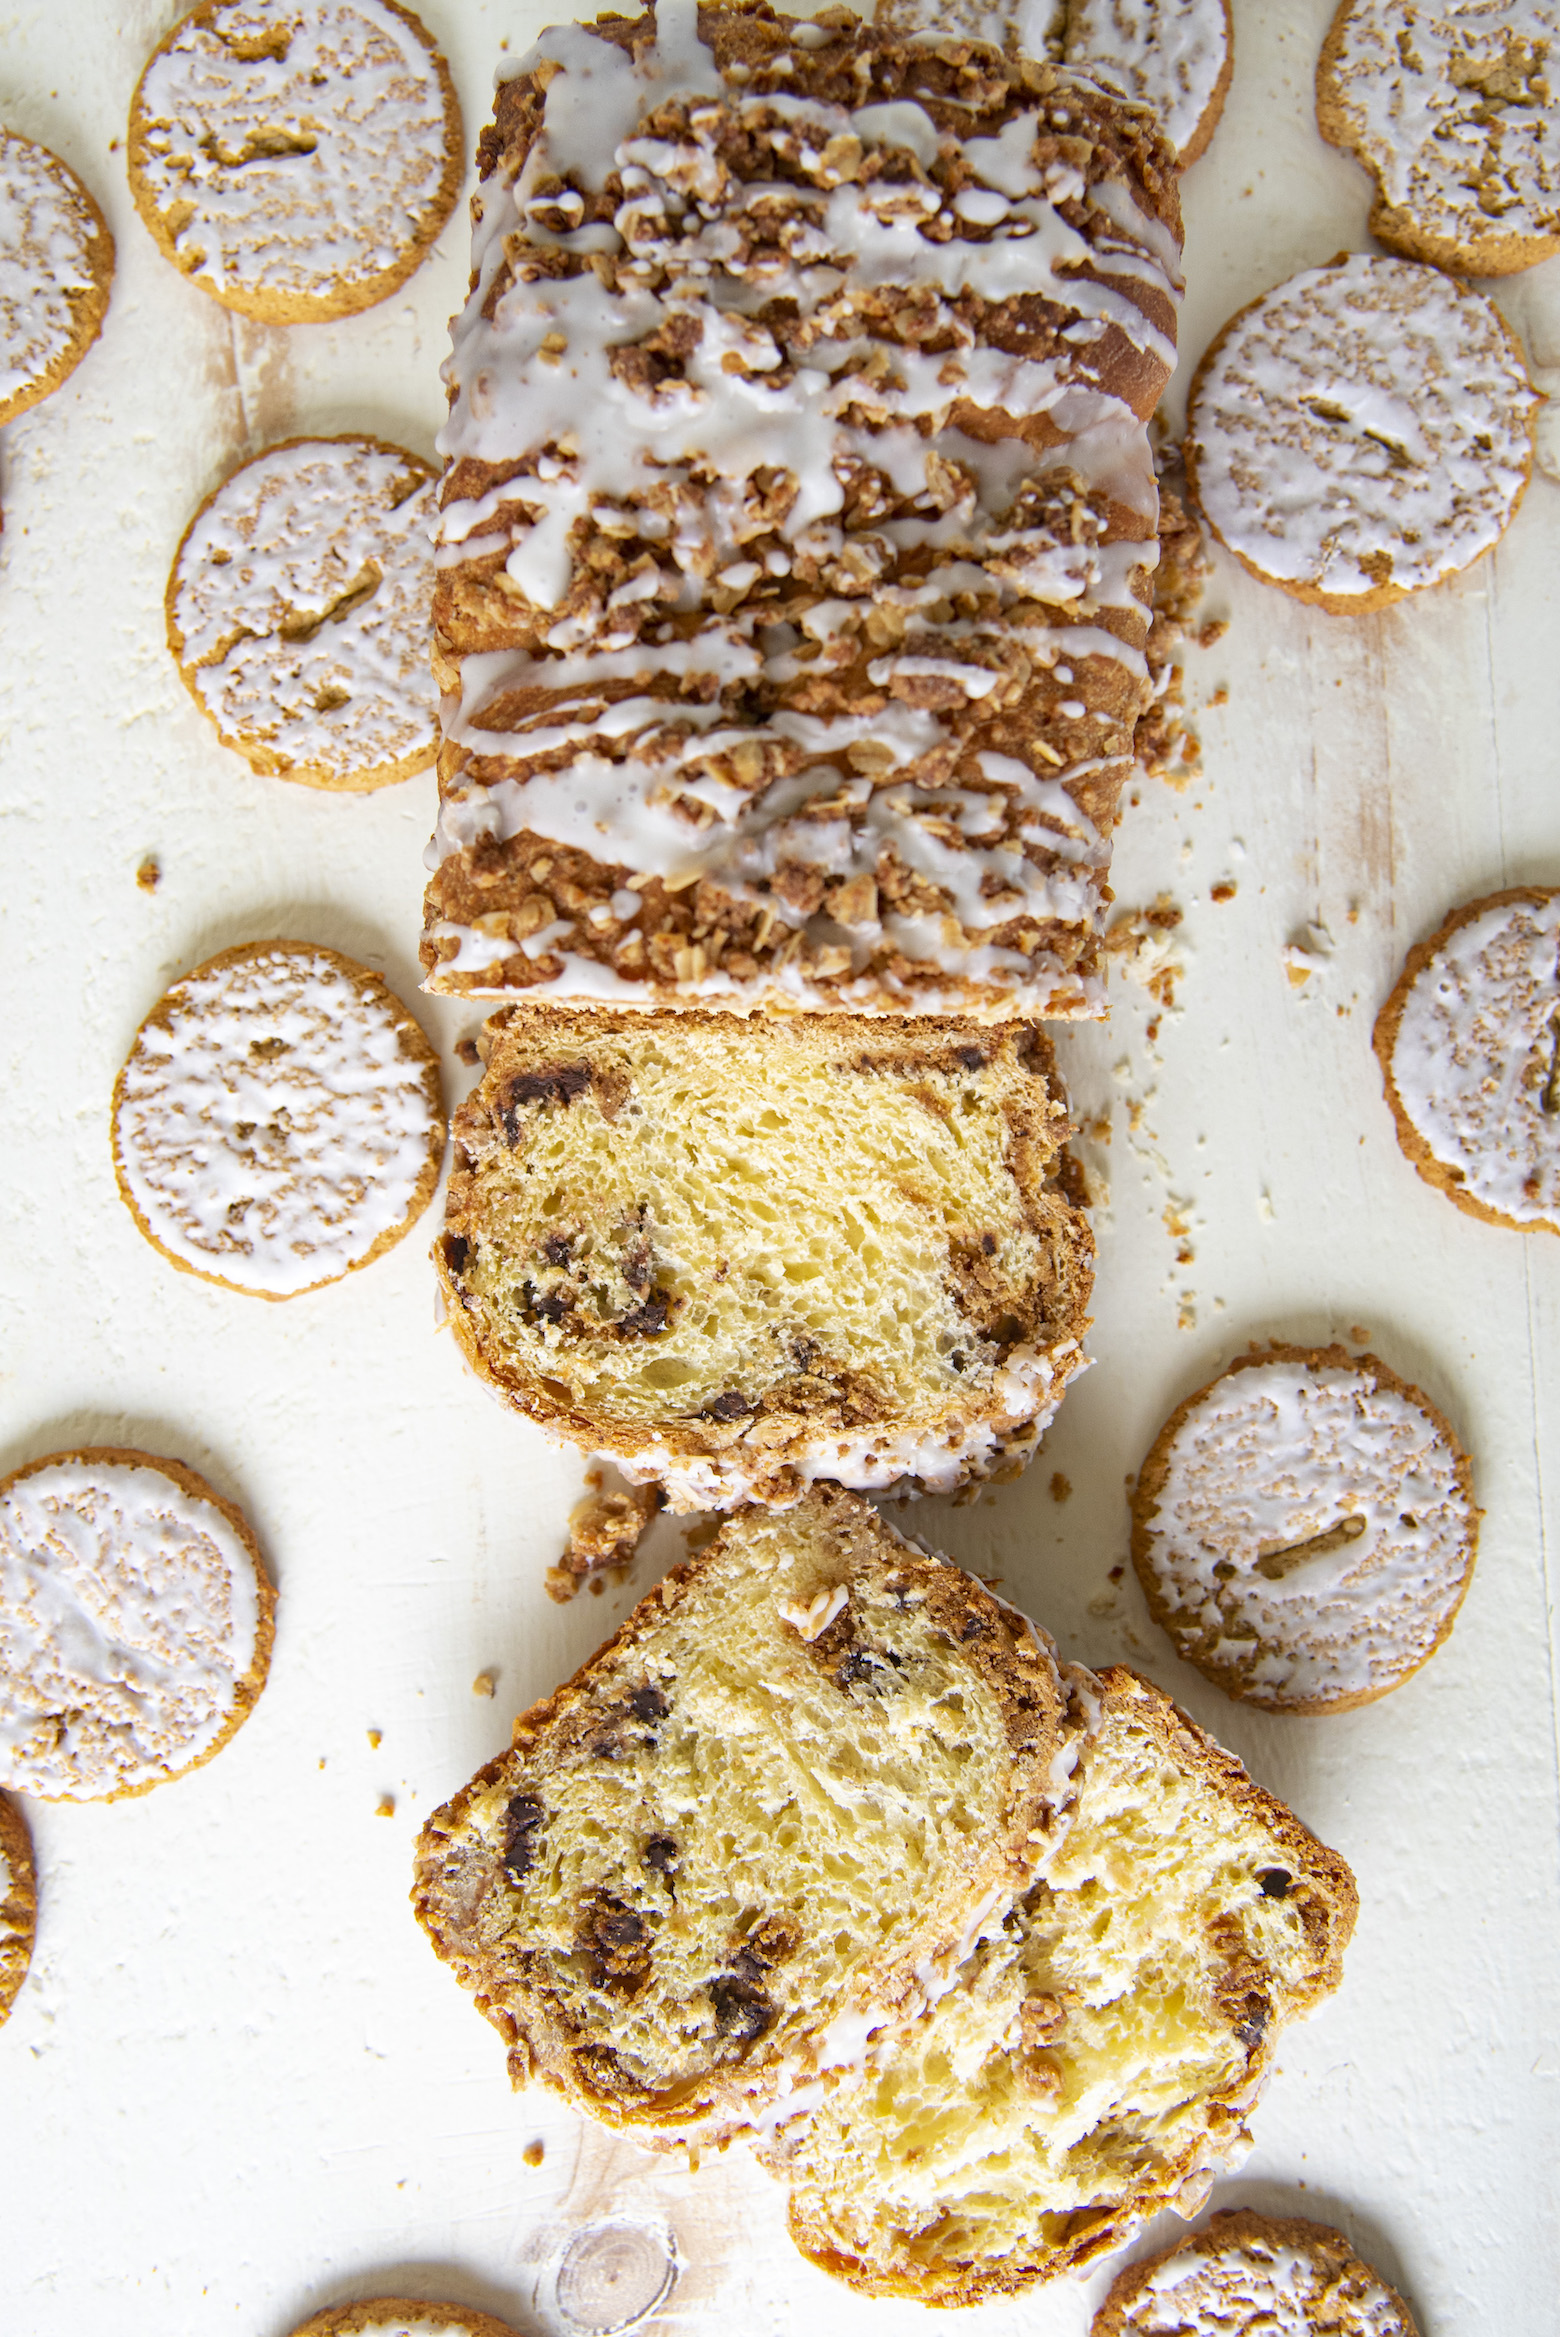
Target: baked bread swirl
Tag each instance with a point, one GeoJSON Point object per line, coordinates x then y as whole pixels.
{"type": "Point", "coordinates": [738, 1255]}
{"type": "Point", "coordinates": [1108, 2036]}
{"type": "Point", "coordinates": [798, 528]}
{"type": "Point", "coordinates": [762, 1818]}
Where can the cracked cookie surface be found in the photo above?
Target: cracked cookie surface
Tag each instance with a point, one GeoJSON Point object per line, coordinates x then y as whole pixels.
{"type": "Point", "coordinates": [56, 265]}
{"type": "Point", "coordinates": [1304, 1528]}
{"type": "Point", "coordinates": [297, 612]}
{"type": "Point", "coordinates": [295, 158]}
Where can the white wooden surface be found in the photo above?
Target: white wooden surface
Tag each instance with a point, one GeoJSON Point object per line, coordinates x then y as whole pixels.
{"type": "Point", "coordinates": [237, 2086]}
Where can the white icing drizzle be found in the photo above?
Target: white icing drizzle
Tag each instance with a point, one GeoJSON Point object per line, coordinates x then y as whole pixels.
{"type": "Point", "coordinates": [1027, 1391]}
{"type": "Point", "coordinates": [1168, 54]}
{"type": "Point", "coordinates": [1452, 108]}
{"type": "Point", "coordinates": [306, 137]}
{"type": "Point", "coordinates": [272, 1124]}
{"type": "Point", "coordinates": [129, 1614]}
{"type": "Point", "coordinates": [1474, 1060]}
{"type": "Point", "coordinates": [1277, 1456]}
{"type": "Point", "coordinates": [302, 604]}
{"type": "Point", "coordinates": [547, 371]}
{"type": "Point", "coordinates": [46, 235]}
{"type": "Point", "coordinates": [1249, 2285]}
{"type": "Point", "coordinates": [1367, 412]}
{"type": "Point", "coordinates": [301, 599]}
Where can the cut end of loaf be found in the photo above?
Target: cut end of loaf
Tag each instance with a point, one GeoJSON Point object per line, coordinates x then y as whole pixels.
{"type": "Point", "coordinates": [761, 1817]}
{"type": "Point", "coordinates": [736, 1257]}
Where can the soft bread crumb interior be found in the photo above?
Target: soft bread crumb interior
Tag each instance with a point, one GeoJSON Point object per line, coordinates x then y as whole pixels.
{"type": "Point", "coordinates": [715, 1220]}
{"type": "Point", "coordinates": [745, 1824]}
{"type": "Point", "coordinates": [985, 2125]}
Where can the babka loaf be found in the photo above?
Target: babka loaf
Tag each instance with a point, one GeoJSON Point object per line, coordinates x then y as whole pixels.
{"type": "Point", "coordinates": [797, 532]}
{"type": "Point", "coordinates": [767, 1815]}
{"type": "Point", "coordinates": [735, 1256]}
{"type": "Point", "coordinates": [1107, 2037]}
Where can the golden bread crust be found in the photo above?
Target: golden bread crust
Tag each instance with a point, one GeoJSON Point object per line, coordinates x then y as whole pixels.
{"type": "Point", "coordinates": [1357, 2301]}
{"type": "Point", "coordinates": [18, 1902]}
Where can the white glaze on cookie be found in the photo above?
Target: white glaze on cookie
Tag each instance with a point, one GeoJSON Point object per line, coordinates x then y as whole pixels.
{"type": "Point", "coordinates": [129, 1617]}
{"type": "Point", "coordinates": [685, 787]}
{"type": "Point", "coordinates": [1453, 109]}
{"type": "Point", "coordinates": [1277, 1456]}
{"type": "Point", "coordinates": [274, 1121]}
{"type": "Point", "coordinates": [299, 147]}
{"type": "Point", "coordinates": [47, 233]}
{"type": "Point", "coordinates": [1260, 2284]}
{"type": "Point", "coordinates": [1474, 1058]}
{"type": "Point", "coordinates": [1364, 424]}
{"type": "Point", "coordinates": [298, 611]}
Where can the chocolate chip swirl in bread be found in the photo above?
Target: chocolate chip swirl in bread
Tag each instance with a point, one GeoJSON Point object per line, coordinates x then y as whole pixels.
{"type": "Point", "coordinates": [797, 533]}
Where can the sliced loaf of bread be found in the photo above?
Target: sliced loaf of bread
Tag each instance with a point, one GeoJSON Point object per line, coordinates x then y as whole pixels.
{"type": "Point", "coordinates": [1101, 2048]}
{"type": "Point", "coordinates": [768, 1815]}
{"type": "Point", "coordinates": [737, 1256]}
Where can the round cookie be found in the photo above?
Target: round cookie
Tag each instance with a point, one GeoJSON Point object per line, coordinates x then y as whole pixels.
{"type": "Point", "coordinates": [1174, 55]}
{"type": "Point", "coordinates": [1304, 1529]}
{"type": "Point", "coordinates": [1360, 432]}
{"type": "Point", "coordinates": [298, 612]}
{"type": "Point", "coordinates": [135, 1624]}
{"type": "Point", "coordinates": [296, 158]}
{"type": "Point", "coordinates": [279, 1121]}
{"type": "Point", "coordinates": [1247, 2275]}
{"type": "Point", "coordinates": [403, 2316]}
{"type": "Point", "coordinates": [56, 265]}
{"type": "Point", "coordinates": [1455, 112]}
{"type": "Point", "coordinates": [1469, 1047]}
{"type": "Point", "coordinates": [18, 1903]}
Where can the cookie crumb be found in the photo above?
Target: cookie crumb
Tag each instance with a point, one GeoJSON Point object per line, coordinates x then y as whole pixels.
{"type": "Point", "coordinates": [604, 1531]}
{"type": "Point", "coordinates": [376, 1737]}
{"type": "Point", "coordinates": [386, 1807]}
{"type": "Point", "coordinates": [1061, 1487]}
{"type": "Point", "coordinates": [534, 2153]}
{"type": "Point", "coordinates": [466, 1051]}
{"type": "Point", "coordinates": [1223, 891]}
{"type": "Point", "coordinates": [485, 1684]}
{"type": "Point", "coordinates": [149, 875]}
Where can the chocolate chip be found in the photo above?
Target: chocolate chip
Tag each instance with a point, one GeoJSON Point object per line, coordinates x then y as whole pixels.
{"type": "Point", "coordinates": [648, 1704]}
{"type": "Point", "coordinates": [618, 1942]}
{"type": "Point", "coordinates": [1258, 2012]}
{"type": "Point", "coordinates": [859, 1665]}
{"type": "Point", "coordinates": [523, 1822]}
{"type": "Point", "coordinates": [975, 1627]}
{"type": "Point", "coordinates": [662, 1855]}
{"type": "Point", "coordinates": [741, 2010]}
{"type": "Point", "coordinates": [647, 1321]}
{"type": "Point", "coordinates": [557, 1248]}
{"type": "Point", "coordinates": [560, 1083]}
{"type": "Point", "coordinates": [1275, 1881]}
{"type": "Point", "coordinates": [730, 1406]}
{"type": "Point", "coordinates": [970, 1058]}
{"type": "Point", "coordinates": [456, 1251]}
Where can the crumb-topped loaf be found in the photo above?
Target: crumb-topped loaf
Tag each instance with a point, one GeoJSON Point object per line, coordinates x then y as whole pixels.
{"type": "Point", "coordinates": [799, 520]}
{"type": "Point", "coordinates": [736, 1256]}
{"type": "Point", "coordinates": [764, 1814]}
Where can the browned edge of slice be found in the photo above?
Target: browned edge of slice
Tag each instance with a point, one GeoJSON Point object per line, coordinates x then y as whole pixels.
{"type": "Point", "coordinates": [414, 1042]}
{"type": "Point", "coordinates": [389, 2312]}
{"type": "Point", "coordinates": [194, 1486]}
{"type": "Point", "coordinates": [1226, 2232]}
{"type": "Point", "coordinates": [1144, 1504]}
{"type": "Point", "coordinates": [1443, 1175]}
{"type": "Point", "coordinates": [543, 2042]}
